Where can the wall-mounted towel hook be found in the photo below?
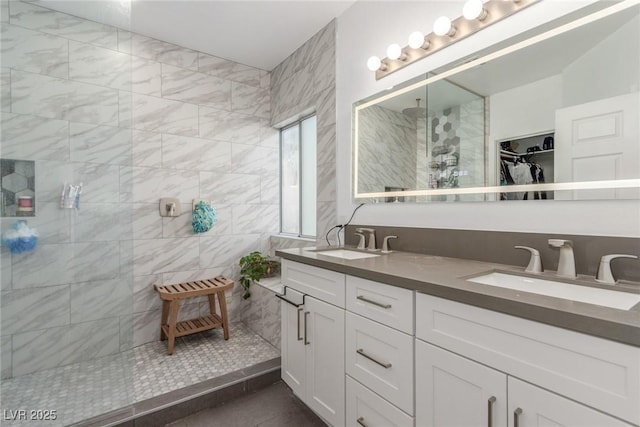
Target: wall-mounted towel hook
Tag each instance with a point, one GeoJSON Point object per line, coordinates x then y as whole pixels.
{"type": "Point", "coordinates": [170, 207]}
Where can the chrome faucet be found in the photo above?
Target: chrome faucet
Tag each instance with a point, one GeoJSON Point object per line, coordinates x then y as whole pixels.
{"type": "Point", "coordinates": [372, 237]}
{"type": "Point", "coordinates": [385, 244]}
{"type": "Point", "coordinates": [361, 241]}
{"type": "Point", "coordinates": [566, 262]}
{"type": "Point", "coordinates": [604, 274]}
{"type": "Point", "coordinates": [535, 263]}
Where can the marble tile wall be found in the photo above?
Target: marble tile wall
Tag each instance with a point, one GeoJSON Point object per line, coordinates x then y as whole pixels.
{"type": "Point", "coordinates": [261, 312]}
{"type": "Point", "coordinates": [301, 84]}
{"type": "Point", "coordinates": [134, 119]}
{"type": "Point", "coordinates": [304, 83]}
{"type": "Point", "coordinates": [392, 136]}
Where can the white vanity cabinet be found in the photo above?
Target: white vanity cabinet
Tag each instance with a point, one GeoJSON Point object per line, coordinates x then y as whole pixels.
{"type": "Point", "coordinates": [379, 354]}
{"type": "Point", "coordinates": [366, 408]}
{"type": "Point", "coordinates": [364, 353]}
{"type": "Point", "coordinates": [454, 391]}
{"type": "Point", "coordinates": [531, 406]}
{"type": "Point", "coordinates": [602, 375]}
{"type": "Point", "coordinates": [313, 339]}
{"type": "Point", "coordinates": [293, 350]}
{"type": "Point", "coordinates": [381, 358]}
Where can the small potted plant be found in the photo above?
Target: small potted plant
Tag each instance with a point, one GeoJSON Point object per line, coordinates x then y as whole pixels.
{"type": "Point", "coordinates": [253, 267]}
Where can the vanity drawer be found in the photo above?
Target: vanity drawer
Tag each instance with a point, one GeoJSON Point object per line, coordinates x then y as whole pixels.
{"type": "Point", "coordinates": [600, 373]}
{"type": "Point", "coordinates": [364, 407]}
{"type": "Point", "coordinates": [325, 285]}
{"type": "Point", "coordinates": [386, 304]}
{"type": "Point", "coordinates": [381, 358]}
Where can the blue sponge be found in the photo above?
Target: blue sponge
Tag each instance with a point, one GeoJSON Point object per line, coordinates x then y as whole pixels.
{"type": "Point", "coordinates": [204, 216]}
{"type": "Point", "coordinates": [21, 238]}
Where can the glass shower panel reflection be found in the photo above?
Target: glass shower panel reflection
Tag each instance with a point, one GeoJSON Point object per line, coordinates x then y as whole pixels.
{"type": "Point", "coordinates": [67, 304]}
{"type": "Point", "coordinates": [455, 139]}
{"type": "Point", "coordinates": [428, 138]}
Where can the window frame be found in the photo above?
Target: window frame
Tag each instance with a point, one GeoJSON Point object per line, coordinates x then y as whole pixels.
{"type": "Point", "coordinates": [298, 123]}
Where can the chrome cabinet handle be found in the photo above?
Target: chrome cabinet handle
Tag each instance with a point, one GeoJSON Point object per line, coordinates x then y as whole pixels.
{"type": "Point", "coordinates": [379, 304]}
{"type": "Point", "coordinates": [516, 417]}
{"type": "Point", "coordinates": [490, 410]}
{"type": "Point", "coordinates": [306, 314]}
{"type": "Point", "coordinates": [361, 421]}
{"type": "Point", "coordinates": [362, 353]}
{"type": "Point", "coordinates": [298, 316]}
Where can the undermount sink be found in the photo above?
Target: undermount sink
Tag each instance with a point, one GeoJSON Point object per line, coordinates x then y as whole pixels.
{"type": "Point", "coordinates": [597, 296]}
{"type": "Point", "coordinates": [346, 254]}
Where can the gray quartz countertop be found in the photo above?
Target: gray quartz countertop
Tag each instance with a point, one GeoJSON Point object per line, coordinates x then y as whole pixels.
{"type": "Point", "coordinates": [446, 278]}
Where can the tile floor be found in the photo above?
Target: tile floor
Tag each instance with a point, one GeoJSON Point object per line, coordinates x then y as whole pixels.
{"type": "Point", "coordinates": [88, 389]}
{"type": "Point", "coordinates": [273, 406]}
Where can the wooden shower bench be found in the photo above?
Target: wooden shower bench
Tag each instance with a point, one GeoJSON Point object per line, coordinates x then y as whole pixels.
{"type": "Point", "coordinates": [171, 296]}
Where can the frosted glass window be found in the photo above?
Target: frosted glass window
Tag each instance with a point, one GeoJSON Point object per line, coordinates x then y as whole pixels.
{"type": "Point", "coordinates": [298, 178]}
{"type": "Point", "coordinates": [308, 169]}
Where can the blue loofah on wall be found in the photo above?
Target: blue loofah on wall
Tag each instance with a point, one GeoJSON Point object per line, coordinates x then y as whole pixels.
{"type": "Point", "coordinates": [21, 238]}
{"type": "Point", "coordinates": [204, 216]}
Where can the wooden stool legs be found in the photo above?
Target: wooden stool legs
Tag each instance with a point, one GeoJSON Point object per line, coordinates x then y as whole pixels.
{"type": "Point", "coordinates": [222, 303]}
{"type": "Point", "coordinates": [171, 295]}
{"type": "Point", "coordinates": [164, 319]}
{"type": "Point", "coordinates": [170, 318]}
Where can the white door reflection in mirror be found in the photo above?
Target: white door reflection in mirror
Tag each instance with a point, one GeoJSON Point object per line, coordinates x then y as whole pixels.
{"type": "Point", "coordinates": [599, 141]}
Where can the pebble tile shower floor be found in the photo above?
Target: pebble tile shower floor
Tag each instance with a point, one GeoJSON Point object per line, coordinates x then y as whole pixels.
{"type": "Point", "coordinates": [87, 389]}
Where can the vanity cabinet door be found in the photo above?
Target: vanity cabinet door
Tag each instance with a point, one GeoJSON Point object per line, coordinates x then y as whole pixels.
{"type": "Point", "coordinates": [325, 285]}
{"type": "Point", "coordinates": [293, 359]}
{"type": "Point", "coordinates": [600, 373]}
{"type": "Point", "coordinates": [324, 344]}
{"type": "Point", "coordinates": [530, 406]}
{"type": "Point", "coordinates": [454, 391]}
{"type": "Point", "coordinates": [365, 408]}
{"type": "Point", "coordinates": [389, 305]}
{"type": "Point", "coordinates": [381, 358]}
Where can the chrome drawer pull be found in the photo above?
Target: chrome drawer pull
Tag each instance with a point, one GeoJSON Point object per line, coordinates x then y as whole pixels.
{"type": "Point", "coordinates": [306, 342]}
{"type": "Point", "coordinates": [516, 417]}
{"type": "Point", "coordinates": [379, 304]}
{"type": "Point", "coordinates": [298, 316]}
{"type": "Point", "coordinates": [490, 410]}
{"type": "Point", "coordinates": [362, 353]}
{"type": "Point", "coordinates": [361, 421]}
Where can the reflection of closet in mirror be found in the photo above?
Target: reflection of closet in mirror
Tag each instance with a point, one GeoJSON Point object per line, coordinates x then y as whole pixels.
{"type": "Point", "coordinates": [526, 160]}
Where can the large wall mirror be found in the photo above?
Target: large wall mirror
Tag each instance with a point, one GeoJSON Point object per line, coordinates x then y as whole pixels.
{"type": "Point", "coordinates": [552, 117]}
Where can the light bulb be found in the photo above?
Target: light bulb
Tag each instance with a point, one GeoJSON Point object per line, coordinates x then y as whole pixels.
{"type": "Point", "coordinates": [417, 41]}
{"type": "Point", "coordinates": [473, 9]}
{"type": "Point", "coordinates": [442, 27]}
{"type": "Point", "coordinates": [374, 63]}
{"type": "Point", "coordinates": [394, 51]}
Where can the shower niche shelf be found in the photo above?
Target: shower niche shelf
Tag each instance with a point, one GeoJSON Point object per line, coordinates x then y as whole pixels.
{"type": "Point", "coordinates": [18, 190]}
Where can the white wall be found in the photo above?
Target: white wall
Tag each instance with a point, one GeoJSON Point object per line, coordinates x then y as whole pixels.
{"type": "Point", "coordinates": [605, 69]}
{"type": "Point", "coordinates": [525, 110]}
{"type": "Point", "coordinates": [366, 29]}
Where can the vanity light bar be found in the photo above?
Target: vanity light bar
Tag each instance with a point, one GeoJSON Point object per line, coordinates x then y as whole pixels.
{"type": "Point", "coordinates": [625, 4]}
{"type": "Point", "coordinates": [492, 11]}
{"type": "Point", "coordinates": [557, 186]}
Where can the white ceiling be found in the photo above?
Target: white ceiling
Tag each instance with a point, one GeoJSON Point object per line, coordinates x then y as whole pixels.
{"type": "Point", "coordinates": [259, 33]}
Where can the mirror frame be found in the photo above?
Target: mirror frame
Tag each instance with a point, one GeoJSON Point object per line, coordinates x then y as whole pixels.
{"type": "Point", "coordinates": [431, 78]}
